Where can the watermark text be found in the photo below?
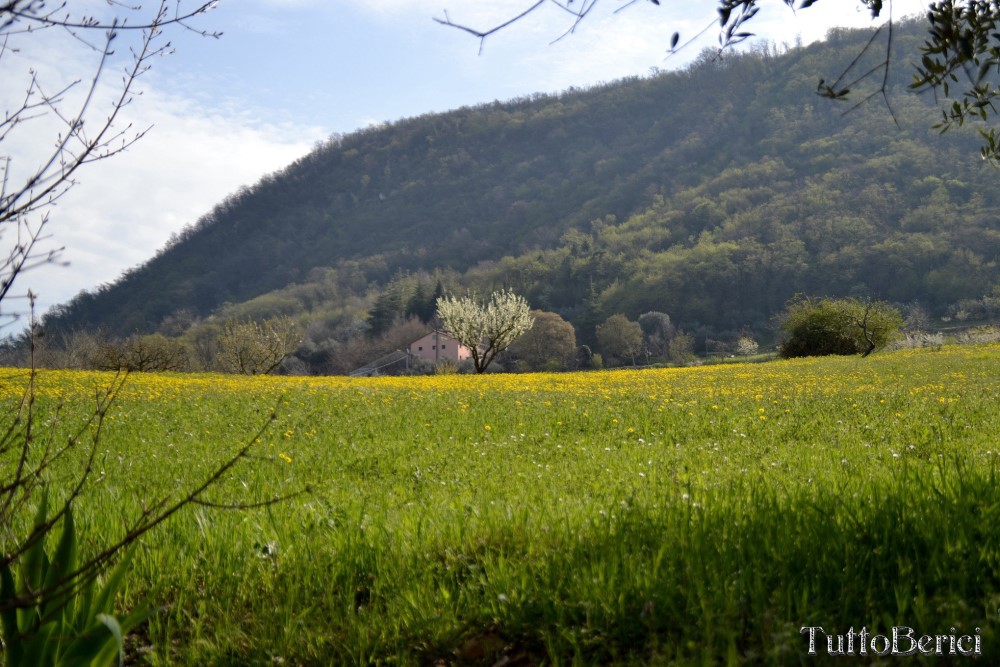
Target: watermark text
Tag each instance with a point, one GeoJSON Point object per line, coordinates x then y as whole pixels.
{"type": "Point", "coordinates": [900, 640]}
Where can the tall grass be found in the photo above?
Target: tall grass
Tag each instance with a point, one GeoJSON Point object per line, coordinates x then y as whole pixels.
{"type": "Point", "coordinates": [675, 516]}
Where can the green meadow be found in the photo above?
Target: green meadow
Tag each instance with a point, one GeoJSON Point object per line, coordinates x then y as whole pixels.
{"type": "Point", "coordinates": [668, 517]}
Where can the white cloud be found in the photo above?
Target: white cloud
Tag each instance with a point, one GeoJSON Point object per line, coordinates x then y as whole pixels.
{"type": "Point", "coordinates": [395, 7]}
{"type": "Point", "coordinates": [197, 152]}
{"type": "Point", "coordinates": [128, 207]}
{"type": "Point", "coordinates": [288, 4]}
{"type": "Point", "coordinates": [125, 208]}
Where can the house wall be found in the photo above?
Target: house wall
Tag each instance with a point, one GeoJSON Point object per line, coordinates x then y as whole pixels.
{"type": "Point", "coordinates": [437, 346]}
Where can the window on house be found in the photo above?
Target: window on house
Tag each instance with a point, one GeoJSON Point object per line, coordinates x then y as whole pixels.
{"type": "Point", "coordinates": [420, 349]}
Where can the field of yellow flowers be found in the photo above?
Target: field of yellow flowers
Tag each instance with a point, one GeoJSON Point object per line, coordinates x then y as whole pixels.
{"type": "Point", "coordinates": [699, 515]}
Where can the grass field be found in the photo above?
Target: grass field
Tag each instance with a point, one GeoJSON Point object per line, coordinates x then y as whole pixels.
{"type": "Point", "coordinates": [677, 516]}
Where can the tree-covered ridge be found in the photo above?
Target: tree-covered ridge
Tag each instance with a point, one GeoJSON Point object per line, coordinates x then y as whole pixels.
{"type": "Point", "coordinates": [713, 194]}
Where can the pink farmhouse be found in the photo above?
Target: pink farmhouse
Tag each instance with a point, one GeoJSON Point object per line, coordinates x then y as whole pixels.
{"type": "Point", "coordinates": [437, 346]}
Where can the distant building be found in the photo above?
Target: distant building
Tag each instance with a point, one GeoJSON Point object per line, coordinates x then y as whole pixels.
{"type": "Point", "coordinates": [437, 346]}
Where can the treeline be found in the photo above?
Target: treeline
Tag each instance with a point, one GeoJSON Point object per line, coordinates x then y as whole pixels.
{"type": "Point", "coordinates": [313, 328]}
{"type": "Point", "coordinates": [713, 195]}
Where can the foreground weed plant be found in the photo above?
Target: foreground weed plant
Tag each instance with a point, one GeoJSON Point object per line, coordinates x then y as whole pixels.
{"type": "Point", "coordinates": [52, 615]}
{"type": "Point", "coordinates": [675, 516]}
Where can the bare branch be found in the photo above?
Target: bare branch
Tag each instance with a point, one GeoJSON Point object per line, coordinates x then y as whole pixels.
{"type": "Point", "coordinates": [32, 13]}
{"type": "Point", "coordinates": [482, 35]}
{"type": "Point", "coordinates": [82, 141]}
{"type": "Point", "coordinates": [578, 17]}
{"type": "Point", "coordinates": [734, 16]}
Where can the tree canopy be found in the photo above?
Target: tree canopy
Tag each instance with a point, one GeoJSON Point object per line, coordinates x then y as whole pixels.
{"type": "Point", "coordinates": [550, 344]}
{"type": "Point", "coordinates": [489, 328]}
{"type": "Point", "coordinates": [619, 337]}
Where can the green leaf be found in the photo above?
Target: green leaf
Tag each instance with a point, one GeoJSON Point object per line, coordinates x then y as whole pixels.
{"type": "Point", "coordinates": [84, 606]}
{"type": "Point", "coordinates": [87, 646]}
{"type": "Point", "coordinates": [40, 645]}
{"type": "Point", "coordinates": [94, 645]}
{"type": "Point", "coordinates": [62, 564]}
{"type": "Point", "coordinates": [103, 637]}
{"type": "Point", "coordinates": [8, 617]}
{"type": "Point", "coordinates": [106, 598]}
{"type": "Point", "coordinates": [116, 630]}
{"type": "Point", "coordinates": [98, 643]}
{"type": "Point", "coordinates": [33, 562]}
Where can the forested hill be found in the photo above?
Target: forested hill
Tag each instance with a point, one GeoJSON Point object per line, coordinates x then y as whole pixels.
{"type": "Point", "coordinates": [712, 194]}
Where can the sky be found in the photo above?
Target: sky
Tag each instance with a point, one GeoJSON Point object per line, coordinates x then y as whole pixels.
{"type": "Point", "coordinates": [286, 74]}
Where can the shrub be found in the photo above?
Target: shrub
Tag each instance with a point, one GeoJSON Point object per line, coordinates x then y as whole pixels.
{"type": "Point", "coordinates": [818, 327]}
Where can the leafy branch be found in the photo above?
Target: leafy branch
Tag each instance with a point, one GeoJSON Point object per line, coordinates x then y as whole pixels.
{"type": "Point", "coordinates": [963, 48]}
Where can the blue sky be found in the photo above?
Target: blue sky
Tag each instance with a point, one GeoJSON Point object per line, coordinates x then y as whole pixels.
{"type": "Point", "coordinates": [288, 73]}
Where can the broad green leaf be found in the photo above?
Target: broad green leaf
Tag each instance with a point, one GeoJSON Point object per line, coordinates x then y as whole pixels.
{"type": "Point", "coordinates": [39, 646]}
{"type": "Point", "coordinates": [8, 617]}
{"type": "Point", "coordinates": [84, 609]}
{"type": "Point", "coordinates": [106, 598]}
{"type": "Point", "coordinates": [95, 644]}
{"type": "Point", "coordinates": [33, 562]}
{"type": "Point", "coordinates": [62, 564]}
{"type": "Point", "coordinates": [116, 630]}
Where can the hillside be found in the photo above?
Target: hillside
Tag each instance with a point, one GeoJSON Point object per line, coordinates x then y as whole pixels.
{"type": "Point", "coordinates": [713, 194]}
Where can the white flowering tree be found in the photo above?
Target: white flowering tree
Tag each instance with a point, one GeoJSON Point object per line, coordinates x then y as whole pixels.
{"type": "Point", "coordinates": [485, 328]}
{"type": "Point", "coordinates": [746, 346]}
